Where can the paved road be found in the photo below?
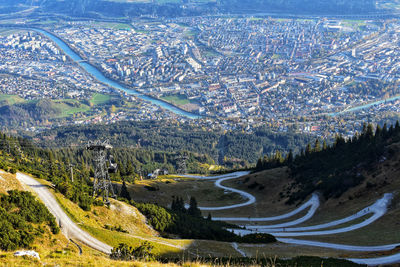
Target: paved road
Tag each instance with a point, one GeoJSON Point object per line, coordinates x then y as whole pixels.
{"type": "Point", "coordinates": [68, 227]}
{"type": "Point", "coordinates": [369, 261]}
{"type": "Point", "coordinates": [378, 209]}
{"type": "Point", "coordinates": [338, 246]}
{"type": "Point", "coordinates": [312, 203]}
{"type": "Point", "coordinates": [222, 178]}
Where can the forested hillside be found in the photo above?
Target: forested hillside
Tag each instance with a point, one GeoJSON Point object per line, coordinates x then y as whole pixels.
{"type": "Point", "coordinates": [334, 169]}
{"type": "Point", "coordinates": [224, 147]}
{"type": "Point", "coordinates": [55, 165]}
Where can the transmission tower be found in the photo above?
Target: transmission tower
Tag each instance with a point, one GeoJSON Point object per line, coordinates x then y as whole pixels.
{"type": "Point", "coordinates": [102, 183]}
{"type": "Point", "coordinates": [181, 163]}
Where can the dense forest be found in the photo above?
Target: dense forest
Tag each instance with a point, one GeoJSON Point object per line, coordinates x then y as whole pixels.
{"type": "Point", "coordinates": [22, 219]}
{"type": "Point", "coordinates": [56, 165]}
{"type": "Point", "coordinates": [230, 148]}
{"type": "Point", "coordinates": [333, 169]}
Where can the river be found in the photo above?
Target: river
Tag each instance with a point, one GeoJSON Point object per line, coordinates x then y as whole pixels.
{"type": "Point", "coordinates": [357, 108]}
{"type": "Point", "coordinates": [103, 79]}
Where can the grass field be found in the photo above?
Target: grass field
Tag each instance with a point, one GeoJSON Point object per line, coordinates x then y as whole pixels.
{"type": "Point", "coordinates": [204, 191]}
{"type": "Point", "coordinates": [176, 99]}
{"type": "Point", "coordinates": [98, 99]}
{"type": "Point", "coordinates": [10, 99]}
{"type": "Point", "coordinates": [69, 107]}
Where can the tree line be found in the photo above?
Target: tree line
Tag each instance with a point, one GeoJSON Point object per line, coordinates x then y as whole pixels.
{"type": "Point", "coordinates": [231, 148]}
{"type": "Point", "coordinates": [333, 169]}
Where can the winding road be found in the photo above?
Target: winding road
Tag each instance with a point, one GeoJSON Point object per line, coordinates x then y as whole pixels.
{"type": "Point", "coordinates": [378, 209]}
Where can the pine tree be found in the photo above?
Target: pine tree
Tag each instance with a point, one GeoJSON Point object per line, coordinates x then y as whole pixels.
{"type": "Point", "coordinates": [259, 165]}
{"type": "Point", "coordinates": [193, 209]}
{"type": "Point", "coordinates": [384, 130]}
{"type": "Point", "coordinates": [308, 149]}
{"type": "Point", "coordinates": [124, 191]}
{"type": "Point", "coordinates": [324, 146]}
{"type": "Point", "coordinates": [370, 132]}
{"type": "Point", "coordinates": [289, 157]}
{"type": "Point", "coordinates": [317, 146]}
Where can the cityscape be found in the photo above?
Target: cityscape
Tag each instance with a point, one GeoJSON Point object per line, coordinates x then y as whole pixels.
{"type": "Point", "coordinates": [199, 133]}
{"type": "Point", "coordinates": [309, 75]}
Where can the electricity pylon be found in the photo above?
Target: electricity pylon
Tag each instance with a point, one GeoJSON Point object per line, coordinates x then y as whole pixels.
{"type": "Point", "coordinates": [181, 163]}
{"type": "Point", "coordinates": [102, 183]}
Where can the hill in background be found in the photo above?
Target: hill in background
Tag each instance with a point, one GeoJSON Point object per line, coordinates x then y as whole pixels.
{"type": "Point", "coordinates": [173, 8]}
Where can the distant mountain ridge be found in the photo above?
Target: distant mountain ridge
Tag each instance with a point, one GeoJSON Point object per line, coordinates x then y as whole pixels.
{"type": "Point", "coordinates": [98, 8]}
{"type": "Point", "coordinates": [304, 6]}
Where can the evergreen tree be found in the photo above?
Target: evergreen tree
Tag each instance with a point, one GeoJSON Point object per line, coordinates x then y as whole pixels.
{"type": "Point", "coordinates": [124, 191]}
{"type": "Point", "coordinates": [308, 150]}
{"type": "Point", "coordinates": [289, 157]}
{"type": "Point", "coordinates": [384, 130]}
{"type": "Point", "coordinates": [317, 146]}
{"type": "Point", "coordinates": [178, 205]}
{"type": "Point", "coordinates": [193, 209]}
{"type": "Point", "coordinates": [370, 132]}
{"type": "Point", "coordinates": [324, 146]}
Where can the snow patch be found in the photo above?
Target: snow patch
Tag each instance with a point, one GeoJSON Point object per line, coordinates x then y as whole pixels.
{"type": "Point", "coordinates": [29, 253]}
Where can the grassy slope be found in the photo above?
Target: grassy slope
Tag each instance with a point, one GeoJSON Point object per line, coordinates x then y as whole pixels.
{"type": "Point", "coordinates": [64, 107]}
{"type": "Point", "coordinates": [383, 231]}
{"type": "Point", "coordinates": [10, 99]}
{"type": "Point", "coordinates": [57, 250]}
{"type": "Point", "coordinates": [204, 191]}
{"type": "Point", "coordinates": [270, 203]}
{"type": "Point", "coordinates": [131, 220]}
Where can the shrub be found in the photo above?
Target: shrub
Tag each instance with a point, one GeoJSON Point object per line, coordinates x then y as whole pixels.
{"type": "Point", "coordinates": [127, 253]}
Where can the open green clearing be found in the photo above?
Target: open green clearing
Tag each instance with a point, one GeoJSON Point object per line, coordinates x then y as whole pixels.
{"type": "Point", "coordinates": [178, 100]}
{"type": "Point", "coordinates": [10, 100]}
{"type": "Point", "coordinates": [69, 107]}
{"type": "Point", "coordinates": [98, 99]}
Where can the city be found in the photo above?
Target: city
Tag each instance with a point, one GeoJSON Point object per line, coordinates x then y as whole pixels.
{"type": "Point", "coordinates": [303, 74]}
{"type": "Point", "coordinates": [199, 133]}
